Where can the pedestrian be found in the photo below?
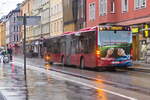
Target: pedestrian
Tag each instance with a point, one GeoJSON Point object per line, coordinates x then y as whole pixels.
{"type": "Point", "coordinates": [10, 51]}
{"type": "Point", "coordinates": [1, 56]}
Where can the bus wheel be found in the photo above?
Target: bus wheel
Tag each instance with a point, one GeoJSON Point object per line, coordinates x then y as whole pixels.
{"type": "Point", "coordinates": [82, 63]}
{"type": "Point", "coordinates": [51, 63]}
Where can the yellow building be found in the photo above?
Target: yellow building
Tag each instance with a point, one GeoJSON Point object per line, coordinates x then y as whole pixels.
{"type": "Point", "coordinates": [2, 34]}
{"type": "Point", "coordinates": [74, 12]}
{"type": "Point", "coordinates": [26, 8]}
{"type": "Point", "coordinates": [69, 19]}
{"type": "Point", "coordinates": [56, 17]}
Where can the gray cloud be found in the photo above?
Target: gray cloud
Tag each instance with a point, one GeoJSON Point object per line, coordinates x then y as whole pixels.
{"type": "Point", "coordinates": [7, 5]}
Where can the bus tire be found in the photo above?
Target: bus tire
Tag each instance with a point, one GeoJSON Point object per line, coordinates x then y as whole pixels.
{"type": "Point", "coordinates": [51, 63]}
{"type": "Point", "coordinates": [82, 64]}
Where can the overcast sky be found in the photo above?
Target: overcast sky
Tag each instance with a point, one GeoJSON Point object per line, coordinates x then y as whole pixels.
{"type": "Point", "coordinates": [7, 5]}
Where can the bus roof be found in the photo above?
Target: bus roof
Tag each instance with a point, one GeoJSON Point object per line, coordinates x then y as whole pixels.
{"type": "Point", "coordinates": [81, 30]}
{"type": "Point", "coordinates": [88, 29]}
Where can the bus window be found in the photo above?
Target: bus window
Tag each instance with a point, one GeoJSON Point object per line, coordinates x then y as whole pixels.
{"type": "Point", "coordinates": [81, 46]}
{"type": "Point", "coordinates": [63, 46]}
{"type": "Point", "coordinates": [91, 45]}
{"type": "Point", "coordinates": [73, 47]}
{"type": "Point", "coordinates": [86, 45]}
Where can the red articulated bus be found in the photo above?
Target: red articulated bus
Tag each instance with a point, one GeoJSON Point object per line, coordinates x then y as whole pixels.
{"type": "Point", "coordinates": [100, 46]}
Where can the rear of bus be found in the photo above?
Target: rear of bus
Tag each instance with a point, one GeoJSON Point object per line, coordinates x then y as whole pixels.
{"type": "Point", "coordinates": [114, 45]}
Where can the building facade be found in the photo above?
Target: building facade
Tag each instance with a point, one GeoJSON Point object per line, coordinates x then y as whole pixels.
{"type": "Point", "coordinates": [74, 15]}
{"type": "Point", "coordinates": [13, 29]}
{"type": "Point", "coordinates": [2, 34]}
{"type": "Point", "coordinates": [56, 17]}
{"type": "Point", "coordinates": [7, 31]}
{"type": "Point", "coordinates": [26, 8]}
{"type": "Point", "coordinates": [81, 14]}
{"type": "Point", "coordinates": [45, 19]}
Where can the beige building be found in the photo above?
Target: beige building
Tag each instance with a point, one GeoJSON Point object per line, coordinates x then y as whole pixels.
{"type": "Point", "coordinates": [56, 17]}
{"type": "Point", "coordinates": [45, 19]}
{"type": "Point", "coordinates": [51, 12]}
{"type": "Point", "coordinates": [41, 31]}
{"type": "Point", "coordinates": [37, 9]}
{"type": "Point", "coordinates": [41, 8]}
{"type": "Point", "coordinates": [2, 34]}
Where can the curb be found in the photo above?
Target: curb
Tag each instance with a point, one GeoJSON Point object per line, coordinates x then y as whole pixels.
{"type": "Point", "coordinates": [143, 67]}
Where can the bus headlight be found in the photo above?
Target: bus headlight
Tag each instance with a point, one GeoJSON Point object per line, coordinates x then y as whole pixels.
{"type": "Point", "coordinates": [98, 53]}
{"type": "Point", "coordinates": [47, 58]}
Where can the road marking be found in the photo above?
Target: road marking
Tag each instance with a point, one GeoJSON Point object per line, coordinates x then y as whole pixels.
{"type": "Point", "coordinates": [85, 84]}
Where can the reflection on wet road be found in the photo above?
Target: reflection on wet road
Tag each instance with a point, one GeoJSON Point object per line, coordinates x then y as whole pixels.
{"type": "Point", "coordinates": [41, 86]}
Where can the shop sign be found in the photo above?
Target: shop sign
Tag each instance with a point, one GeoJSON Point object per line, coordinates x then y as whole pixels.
{"type": "Point", "coordinates": [31, 20]}
{"type": "Point", "coordinates": [146, 32]}
{"type": "Point", "coordinates": [135, 29]}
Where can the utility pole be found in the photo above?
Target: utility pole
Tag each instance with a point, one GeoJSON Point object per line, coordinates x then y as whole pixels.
{"type": "Point", "coordinates": [24, 45]}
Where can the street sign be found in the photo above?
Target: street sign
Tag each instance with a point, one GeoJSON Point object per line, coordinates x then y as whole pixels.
{"type": "Point", "coordinates": [30, 20]}
{"type": "Point", "coordinates": [27, 21]}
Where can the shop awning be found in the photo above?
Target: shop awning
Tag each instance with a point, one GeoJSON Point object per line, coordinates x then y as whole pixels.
{"type": "Point", "coordinates": [135, 21]}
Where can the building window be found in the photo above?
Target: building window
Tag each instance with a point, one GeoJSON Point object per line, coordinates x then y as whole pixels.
{"type": "Point", "coordinates": [82, 8]}
{"type": "Point", "coordinates": [55, 9]}
{"type": "Point", "coordinates": [51, 11]}
{"type": "Point", "coordinates": [92, 11]}
{"type": "Point", "coordinates": [17, 38]}
{"type": "Point", "coordinates": [61, 26]}
{"type": "Point", "coordinates": [140, 4]}
{"type": "Point", "coordinates": [14, 29]}
{"type": "Point", "coordinates": [57, 6]}
{"type": "Point", "coordinates": [14, 19]}
{"type": "Point", "coordinates": [17, 28]}
{"type": "Point", "coordinates": [14, 38]}
{"type": "Point", "coordinates": [102, 7]}
{"type": "Point", "coordinates": [112, 6]}
{"type": "Point", "coordinates": [55, 29]}
{"type": "Point", "coordinates": [52, 28]}
{"type": "Point", "coordinates": [124, 5]}
{"type": "Point", "coordinates": [57, 26]}
{"type": "Point", "coordinates": [68, 3]}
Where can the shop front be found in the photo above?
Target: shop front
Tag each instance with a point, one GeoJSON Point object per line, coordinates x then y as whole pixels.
{"type": "Point", "coordinates": [141, 35]}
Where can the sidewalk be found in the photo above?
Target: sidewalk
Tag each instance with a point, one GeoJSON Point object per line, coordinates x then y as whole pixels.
{"type": "Point", "coordinates": [141, 65]}
{"type": "Point", "coordinates": [137, 65]}
{"type": "Point", "coordinates": [32, 61]}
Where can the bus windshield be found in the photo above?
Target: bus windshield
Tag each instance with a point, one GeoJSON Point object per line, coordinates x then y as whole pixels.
{"type": "Point", "coordinates": [107, 38]}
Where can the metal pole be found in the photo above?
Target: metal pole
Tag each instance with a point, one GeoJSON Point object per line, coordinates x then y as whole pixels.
{"type": "Point", "coordinates": [24, 44]}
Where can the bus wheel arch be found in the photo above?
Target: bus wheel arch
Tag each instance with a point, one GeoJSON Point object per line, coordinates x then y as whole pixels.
{"type": "Point", "coordinates": [82, 62]}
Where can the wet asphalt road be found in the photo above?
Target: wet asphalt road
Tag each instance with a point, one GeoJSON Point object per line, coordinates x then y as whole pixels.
{"type": "Point", "coordinates": [120, 85]}
{"type": "Point", "coordinates": [43, 86]}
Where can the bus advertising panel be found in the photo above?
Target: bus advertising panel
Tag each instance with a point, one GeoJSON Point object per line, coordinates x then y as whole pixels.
{"type": "Point", "coordinates": [114, 44]}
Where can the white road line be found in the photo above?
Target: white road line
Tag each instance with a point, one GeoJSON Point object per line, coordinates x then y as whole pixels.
{"type": "Point", "coordinates": [85, 84]}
